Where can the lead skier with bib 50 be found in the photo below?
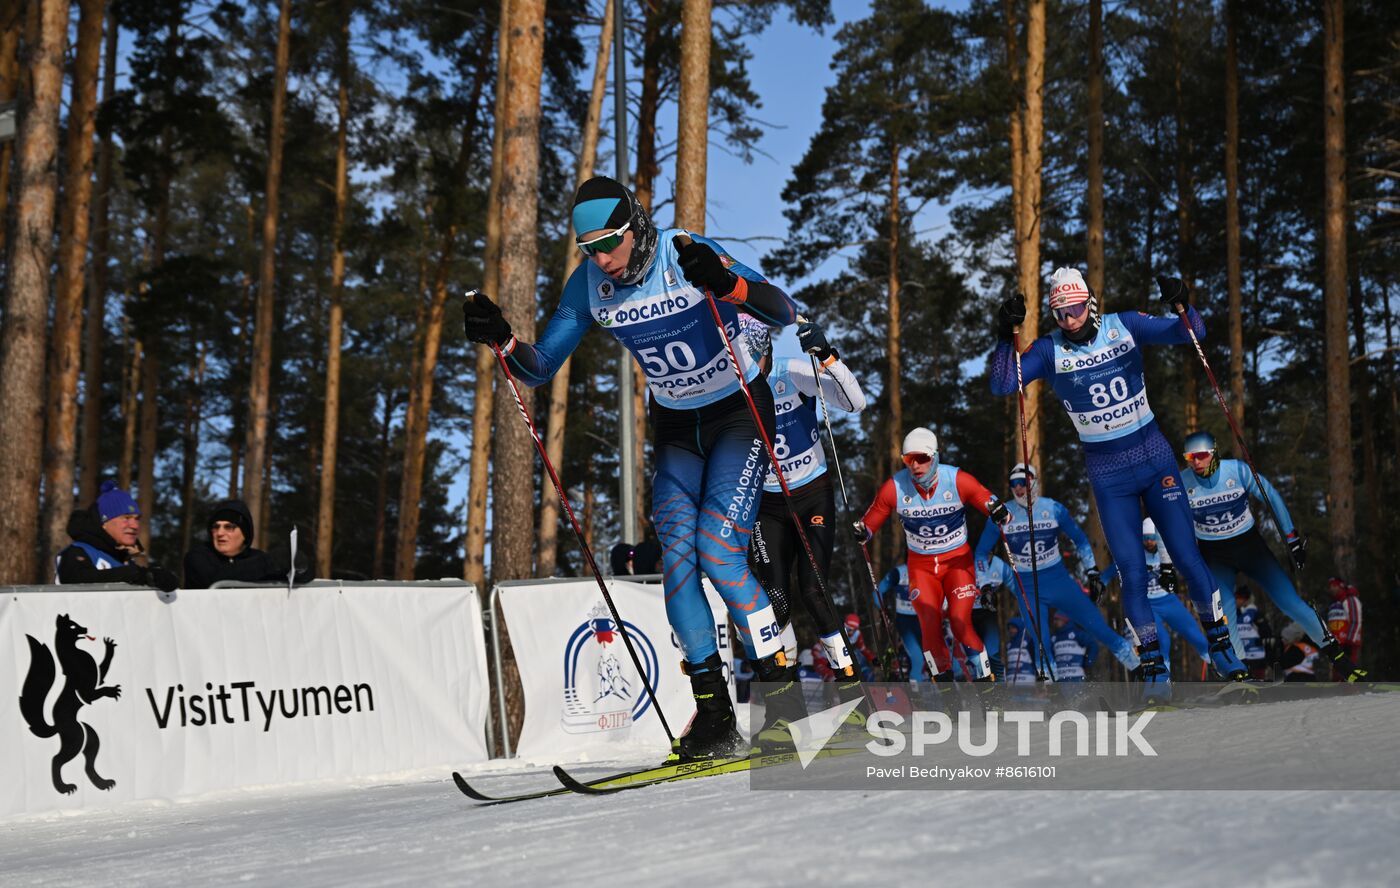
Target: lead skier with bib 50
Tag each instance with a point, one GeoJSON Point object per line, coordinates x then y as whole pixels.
{"type": "Point", "coordinates": [931, 501]}
{"type": "Point", "coordinates": [647, 288]}
{"type": "Point", "coordinates": [1094, 365]}
{"type": "Point", "coordinates": [1219, 491]}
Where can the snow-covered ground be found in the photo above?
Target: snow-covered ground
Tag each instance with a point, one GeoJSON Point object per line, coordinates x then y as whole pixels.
{"type": "Point", "coordinates": [716, 831]}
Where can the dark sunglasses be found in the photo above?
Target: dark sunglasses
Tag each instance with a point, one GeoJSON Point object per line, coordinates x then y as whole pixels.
{"type": "Point", "coordinates": [604, 243]}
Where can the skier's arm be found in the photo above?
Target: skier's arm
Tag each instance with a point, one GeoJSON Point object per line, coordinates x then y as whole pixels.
{"type": "Point", "coordinates": [991, 535]}
{"type": "Point", "coordinates": [752, 292]}
{"type": "Point", "coordinates": [837, 382]}
{"type": "Point", "coordinates": [1153, 330]}
{"type": "Point", "coordinates": [1076, 535]}
{"type": "Point", "coordinates": [535, 364]}
{"type": "Point", "coordinates": [74, 566]}
{"type": "Point", "coordinates": [1110, 573]}
{"type": "Point", "coordinates": [1266, 491]}
{"type": "Point", "coordinates": [1035, 362]}
{"type": "Point", "coordinates": [880, 510]}
{"type": "Point", "coordinates": [886, 586]}
{"type": "Point", "coordinates": [972, 491]}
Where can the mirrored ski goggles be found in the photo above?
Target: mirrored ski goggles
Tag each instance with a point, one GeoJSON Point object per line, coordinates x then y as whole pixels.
{"type": "Point", "coordinates": [605, 243]}
{"type": "Point", "coordinates": [1071, 311]}
{"type": "Point", "coordinates": [1200, 454]}
{"type": "Point", "coordinates": [1018, 484]}
{"type": "Point", "coordinates": [917, 459]}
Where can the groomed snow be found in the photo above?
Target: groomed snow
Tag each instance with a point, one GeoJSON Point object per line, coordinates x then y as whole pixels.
{"type": "Point", "coordinates": [716, 831]}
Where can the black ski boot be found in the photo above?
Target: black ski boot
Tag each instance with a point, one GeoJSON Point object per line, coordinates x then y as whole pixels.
{"type": "Point", "coordinates": [1333, 653]}
{"type": "Point", "coordinates": [1156, 680]}
{"type": "Point", "coordinates": [782, 704]}
{"type": "Point", "coordinates": [1222, 651]}
{"type": "Point", "coordinates": [711, 733]}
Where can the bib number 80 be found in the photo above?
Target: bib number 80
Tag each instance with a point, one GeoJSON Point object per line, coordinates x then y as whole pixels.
{"type": "Point", "coordinates": [1103, 395]}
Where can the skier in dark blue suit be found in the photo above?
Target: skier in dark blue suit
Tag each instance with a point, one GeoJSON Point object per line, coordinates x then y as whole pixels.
{"type": "Point", "coordinates": [1095, 368]}
{"type": "Point", "coordinates": [648, 288]}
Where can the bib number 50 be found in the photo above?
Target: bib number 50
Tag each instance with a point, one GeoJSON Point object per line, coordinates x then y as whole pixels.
{"type": "Point", "coordinates": [678, 358]}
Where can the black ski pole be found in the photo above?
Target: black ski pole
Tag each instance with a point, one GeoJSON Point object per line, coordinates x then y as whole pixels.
{"type": "Point", "coordinates": [578, 532]}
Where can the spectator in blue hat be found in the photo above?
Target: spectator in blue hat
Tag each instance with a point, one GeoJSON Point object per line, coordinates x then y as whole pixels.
{"type": "Point", "coordinates": [106, 539]}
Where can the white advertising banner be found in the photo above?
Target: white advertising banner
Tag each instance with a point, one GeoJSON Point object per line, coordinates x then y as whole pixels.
{"type": "Point", "coordinates": [112, 696]}
{"type": "Point", "coordinates": [583, 697]}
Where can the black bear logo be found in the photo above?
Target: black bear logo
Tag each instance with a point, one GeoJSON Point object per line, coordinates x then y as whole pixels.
{"type": "Point", "coordinates": [82, 684]}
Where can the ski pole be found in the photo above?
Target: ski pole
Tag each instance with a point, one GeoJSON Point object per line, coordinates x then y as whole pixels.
{"type": "Point", "coordinates": [578, 532]}
{"type": "Point", "coordinates": [882, 625]}
{"type": "Point", "coordinates": [1030, 494]}
{"type": "Point", "coordinates": [684, 240]}
{"type": "Point", "coordinates": [1034, 621]}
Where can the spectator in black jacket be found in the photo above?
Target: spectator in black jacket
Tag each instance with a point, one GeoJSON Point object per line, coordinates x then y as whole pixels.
{"type": "Point", "coordinates": [229, 552]}
{"type": "Point", "coordinates": [106, 538]}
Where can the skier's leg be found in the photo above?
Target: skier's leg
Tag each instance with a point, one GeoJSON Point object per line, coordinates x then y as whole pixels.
{"type": "Point", "coordinates": [985, 622]}
{"type": "Point", "coordinates": [1265, 570]}
{"type": "Point", "coordinates": [768, 557]}
{"type": "Point", "coordinates": [1173, 611]}
{"type": "Point", "coordinates": [1224, 575]}
{"type": "Point", "coordinates": [675, 510]}
{"type": "Point", "coordinates": [908, 628]}
{"type": "Point", "coordinates": [926, 594]}
{"type": "Point", "coordinates": [1070, 600]}
{"type": "Point", "coordinates": [961, 583]}
{"type": "Point", "coordinates": [1164, 637]}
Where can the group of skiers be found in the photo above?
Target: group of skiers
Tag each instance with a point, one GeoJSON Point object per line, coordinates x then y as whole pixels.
{"type": "Point", "coordinates": [723, 410]}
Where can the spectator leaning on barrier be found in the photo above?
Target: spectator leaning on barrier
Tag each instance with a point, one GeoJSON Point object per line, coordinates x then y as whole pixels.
{"type": "Point", "coordinates": [229, 554]}
{"type": "Point", "coordinates": [106, 538]}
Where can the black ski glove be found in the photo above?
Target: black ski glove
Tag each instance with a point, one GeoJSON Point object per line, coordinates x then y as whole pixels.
{"type": "Point", "coordinates": [860, 532]}
{"type": "Point", "coordinates": [998, 512]}
{"type": "Point", "coordinates": [1298, 548]}
{"type": "Point", "coordinates": [1095, 584]}
{"type": "Point", "coordinates": [1011, 314]}
{"type": "Point", "coordinates": [483, 321]}
{"type": "Point", "coordinates": [161, 578]}
{"type": "Point", "coordinates": [1173, 291]}
{"type": "Point", "coordinates": [1166, 577]}
{"type": "Point", "coordinates": [701, 266]}
{"type": "Point", "coordinates": [813, 341]}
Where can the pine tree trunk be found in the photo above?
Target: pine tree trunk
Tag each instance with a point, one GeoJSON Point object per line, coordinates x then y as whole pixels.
{"type": "Point", "coordinates": [330, 424]}
{"type": "Point", "coordinates": [260, 383]}
{"type": "Point", "coordinates": [1340, 487]}
{"type": "Point", "coordinates": [474, 564]}
{"type": "Point", "coordinates": [1185, 222]}
{"type": "Point", "coordinates": [896, 427]}
{"type": "Point", "coordinates": [131, 386]}
{"type": "Point", "coordinates": [513, 478]}
{"type": "Point", "coordinates": [693, 116]}
{"type": "Point", "coordinates": [65, 345]}
{"type": "Point", "coordinates": [11, 26]}
{"type": "Point", "coordinates": [1232, 212]}
{"type": "Point", "coordinates": [559, 386]}
{"type": "Point", "coordinates": [1015, 135]}
{"type": "Point", "coordinates": [95, 333]}
{"type": "Point", "coordinates": [147, 426]}
{"type": "Point", "coordinates": [27, 296]}
{"type": "Point", "coordinates": [648, 104]}
{"type": "Point", "coordinates": [245, 359]}
{"type": "Point", "coordinates": [381, 495]}
{"type": "Point", "coordinates": [420, 401]}
{"type": "Point", "coordinates": [1370, 473]}
{"type": "Point", "coordinates": [1029, 254]}
{"type": "Point", "coordinates": [189, 436]}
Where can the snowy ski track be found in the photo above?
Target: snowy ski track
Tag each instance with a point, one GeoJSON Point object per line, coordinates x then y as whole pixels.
{"type": "Point", "coordinates": [714, 831]}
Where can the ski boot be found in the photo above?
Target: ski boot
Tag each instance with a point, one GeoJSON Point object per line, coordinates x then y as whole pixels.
{"type": "Point", "coordinates": [711, 733]}
{"type": "Point", "coordinates": [1156, 679]}
{"type": "Point", "coordinates": [782, 705]}
{"type": "Point", "coordinates": [1333, 653]}
{"type": "Point", "coordinates": [1222, 651]}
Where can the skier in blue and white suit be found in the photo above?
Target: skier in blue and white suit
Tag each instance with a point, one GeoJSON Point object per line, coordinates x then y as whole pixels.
{"type": "Point", "coordinates": [1056, 588]}
{"type": "Point", "coordinates": [1219, 490]}
{"type": "Point", "coordinates": [776, 552]}
{"type": "Point", "coordinates": [1094, 365]}
{"type": "Point", "coordinates": [1167, 607]}
{"type": "Point", "coordinates": [648, 288]}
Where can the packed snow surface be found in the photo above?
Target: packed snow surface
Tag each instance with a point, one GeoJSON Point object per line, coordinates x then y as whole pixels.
{"type": "Point", "coordinates": [715, 830]}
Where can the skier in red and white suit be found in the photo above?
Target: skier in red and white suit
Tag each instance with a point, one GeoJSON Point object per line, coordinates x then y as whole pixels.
{"type": "Point", "coordinates": [930, 500]}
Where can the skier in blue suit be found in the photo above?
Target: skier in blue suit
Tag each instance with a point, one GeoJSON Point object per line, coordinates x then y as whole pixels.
{"type": "Point", "coordinates": [1095, 367]}
{"type": "Point", "coordinates": [1219, 490]}
{"type": "Point", "coordinates": [1167, 608]}
{"type": "Point", "coordinates": [1051, 580]}
{"type": "Point", "coordinates": [648, 288]}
